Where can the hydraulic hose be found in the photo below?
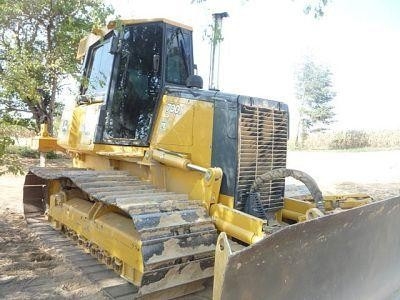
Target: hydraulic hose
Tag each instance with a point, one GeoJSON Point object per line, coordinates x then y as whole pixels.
{"type": "Point", "coordinates": [306, 179]}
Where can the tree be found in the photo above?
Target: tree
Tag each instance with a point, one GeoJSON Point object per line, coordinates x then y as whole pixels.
{"type": "Point", "coordinates": [9, 163]}
{"type": "Point", "coordinates": [315, 94]}
{"type": "Point", "coordinates": [38, 42]}
{"type": "Point", "coordinates": [314, 7]}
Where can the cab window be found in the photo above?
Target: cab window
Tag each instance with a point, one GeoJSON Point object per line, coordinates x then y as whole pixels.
{"type": "Point", "coordinates": [99, 68]}
{"type": "Point", "coordinates": [177, 56]}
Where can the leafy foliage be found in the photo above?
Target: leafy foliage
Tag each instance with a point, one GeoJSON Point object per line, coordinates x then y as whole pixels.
{"type": "Point", "coordinates": [314, 92]}
{"type": "Point", "coordinates": [10, 128]}
{"type": "Point", "coordinates": [38, 41]}
{"type": "Point", "coordinates": [9, 163]}
{"type": "Point", "coordinates": [316, 8]}
{"type": "Point", "coordinates": [23, 151]}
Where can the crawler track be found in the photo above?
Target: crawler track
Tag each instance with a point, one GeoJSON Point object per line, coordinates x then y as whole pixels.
{"type": "Point", "coordinates": [105, 280]}
{"type": "Point", "coordinates": [178, 237]}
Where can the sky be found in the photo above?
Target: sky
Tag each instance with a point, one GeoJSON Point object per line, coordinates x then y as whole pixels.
{"type": "Point", "coordinates": [265, 41]}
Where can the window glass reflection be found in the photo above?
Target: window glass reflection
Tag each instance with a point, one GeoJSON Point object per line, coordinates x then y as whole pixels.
{"type": "Point", "coordinates": [99, 74]}
{"type": "Point", "coordinates": [137, 86]}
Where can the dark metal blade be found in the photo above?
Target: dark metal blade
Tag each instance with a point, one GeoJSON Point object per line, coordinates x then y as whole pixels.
{"type": "Point", "coordinates": [354, 254]}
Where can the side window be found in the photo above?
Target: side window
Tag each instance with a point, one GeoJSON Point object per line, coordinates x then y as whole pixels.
{"type": "Point", "coordinates": [99, 70]}
{"type": "Point", "coordinates": [178, 56]}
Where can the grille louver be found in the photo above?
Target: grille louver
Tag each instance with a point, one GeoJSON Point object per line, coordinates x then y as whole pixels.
{"type": "Point", "coordinates": [262, 147]}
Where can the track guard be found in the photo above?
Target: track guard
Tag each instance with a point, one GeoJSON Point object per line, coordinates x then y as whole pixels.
{"type": "Point", "coordinates": [353, 254]}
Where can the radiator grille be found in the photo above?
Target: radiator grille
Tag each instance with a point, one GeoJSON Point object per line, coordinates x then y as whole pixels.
{"type": "Point", "coordinates": [262, 147]}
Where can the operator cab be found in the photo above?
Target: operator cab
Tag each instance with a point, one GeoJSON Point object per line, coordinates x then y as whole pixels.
{"type": "Point", "coordinates": [127, 70]}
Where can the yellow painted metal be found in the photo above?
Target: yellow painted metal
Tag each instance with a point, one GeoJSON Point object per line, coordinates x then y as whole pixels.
{"type": "Point", "coordinates": [86, 42]}
{"type": "Point", "coordinates": [170, 159]}
{"type": "Point", "coordinates": [182, 126]}
{"type": "Point", "coordinates": [300, 210]}
{"type": "Point", "coordinates": [346, 201]}
{"type": "Point", "coordinates": [185, 126]}
{"type": "Point", "coordinates": [105, 226]}
{"type": "Point", "coordinates": [210, 182]}
{"type": "Point", "coordinates": [44, 142]}
{"type": "Point", "coordinates": [211, 186]}
{"type": "Point", "coordinates": [78, 127]}
{"type": "Point", "coordinates": [237, 224]}
{"type": "Point", "coordinates": [294, 209]}
{"type": "Point", "coordinates": [71, 121]}
{"type": "Point", "coordinates": [222, 253]}
{"type": "Point", "coordinates": [226, 200]}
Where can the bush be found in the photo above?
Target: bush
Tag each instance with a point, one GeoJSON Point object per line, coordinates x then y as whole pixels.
{"type": "Point", "coordinates": [9, 163]}
{"type": "Point", "coordinates": [15, 131]}
{"type": "Point", "coordinates": [349, 140]}
{"type": "Point", "coordinates": [53, 155]}
{"type": "Point", "coordinates": [23, 152]}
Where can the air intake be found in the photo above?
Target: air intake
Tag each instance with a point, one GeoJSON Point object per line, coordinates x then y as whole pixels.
{"type": "Point", "coordinates": [262, 146]}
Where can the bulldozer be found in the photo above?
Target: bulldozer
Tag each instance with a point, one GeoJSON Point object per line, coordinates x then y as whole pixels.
{"type": "Point", "coordinates": [172, 184]}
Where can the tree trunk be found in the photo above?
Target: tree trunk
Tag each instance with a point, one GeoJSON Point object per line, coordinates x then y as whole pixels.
{"type": "Point", "coordinates": [52, 104]}
{"type": "Point", "coordinates": [296, 143]}
{"type": "Point", "coordinates": [53, 76]}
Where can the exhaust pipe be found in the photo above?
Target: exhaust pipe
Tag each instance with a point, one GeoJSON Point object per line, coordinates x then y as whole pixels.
{"type": "Point", "coordinates": [216, 40]}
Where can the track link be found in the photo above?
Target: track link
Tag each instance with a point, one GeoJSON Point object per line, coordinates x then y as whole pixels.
{"type": "Point", "coordinates": [177, 235]}
{"type": "Point", "coordinates": [107, 281]}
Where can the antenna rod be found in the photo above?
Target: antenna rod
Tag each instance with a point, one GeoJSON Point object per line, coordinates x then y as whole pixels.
{"type": "Point", "coordinates": [215, 50]}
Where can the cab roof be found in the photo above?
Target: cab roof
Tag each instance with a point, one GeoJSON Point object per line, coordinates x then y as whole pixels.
{"type": "Point", "coordinates": [112, 24]}
{"type": "Point", "coordinates": [97, 33]}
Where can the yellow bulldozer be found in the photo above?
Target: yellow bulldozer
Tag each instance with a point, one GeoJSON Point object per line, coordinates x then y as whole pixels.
{"type": "Point", "coordinates": [172, 184]}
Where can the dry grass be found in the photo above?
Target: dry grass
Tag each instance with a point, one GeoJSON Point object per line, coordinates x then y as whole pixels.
{"type": "Point", "coordinates": [351, 139]}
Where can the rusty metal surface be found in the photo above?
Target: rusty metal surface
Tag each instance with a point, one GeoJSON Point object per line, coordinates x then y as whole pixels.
{"type": "Point", "coordinates": [178, 237]}
{"type": "Point", "coordinates": [34, 189]}
{"type": "Point", "coordinates": [354, 254]}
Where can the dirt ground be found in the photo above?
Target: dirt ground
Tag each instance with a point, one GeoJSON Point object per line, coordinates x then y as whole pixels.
{"type": "Point", "coordinates": [28, 270]}
{"type": "Point", "coordinates": [374, 173]}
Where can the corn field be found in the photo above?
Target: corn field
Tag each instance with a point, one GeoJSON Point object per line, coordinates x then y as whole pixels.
{"type": "Point", "coordinates": [351, 139]}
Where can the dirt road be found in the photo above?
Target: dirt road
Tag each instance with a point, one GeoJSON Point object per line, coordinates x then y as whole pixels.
{"type": "Point", "coordinates": [30, 270]}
